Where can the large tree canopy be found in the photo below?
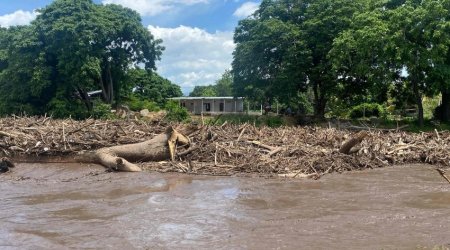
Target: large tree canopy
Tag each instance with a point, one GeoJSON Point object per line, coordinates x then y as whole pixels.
{"type": "Point", "coordinates": [270, 52]}
{"type": "Point", "coordinates": [71, 48]}
{"type": "Point", "coordinates": [354, 51]}
{"type": "Point", "coordinates": [282, 48]}
{"type": "Point", "coordinates": [402, 42]}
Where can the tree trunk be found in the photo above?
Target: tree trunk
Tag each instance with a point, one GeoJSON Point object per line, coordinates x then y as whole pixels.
{"type": "Point", "coordinates": [85, 98]}
{"type": "Point", "coordinates": [319, 102]}
{"type": "Point", "coordinates": [110, 86]}
{"type": "Point", "coordinates": [418, 98]}
{"type": "Point", "coordinates": [102, 85]}
{"type": "Point", "coordinates": [444, 111]}
{"type": "Point", "coordinates": [106, 82]}
{"type": "Point", "coordinates": [160, 147]}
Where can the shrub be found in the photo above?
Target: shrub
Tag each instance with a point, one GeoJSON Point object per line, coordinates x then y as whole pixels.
{"type": "Point", "coordinates": [137, 104]}
{"type": "Point", "coordinates": [367, 110]}
{"type": "Point", "coordinates": [175, 112]}
{"type": "Point", "coordinates": [63, 107]}
{"type": "Point", "coordinates": [337, 108]}
{"type": "Point", "coordinates": [101, 110]}
{"type": "Point", "coordinates": [274, 121]}
{"type": "Point", "coordinates": [17, 108]}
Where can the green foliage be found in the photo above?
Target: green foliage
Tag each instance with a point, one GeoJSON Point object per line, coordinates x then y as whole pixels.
{"type": "Point", "coordinates": [282, 49]}
{"type": "Point", "coordinates": [60, 107]}
{"type": "Point", "coordinates": [150, 86]}
{"type": "Point", "coordinates": [138, 104]}
{"type": "Point", "coordinates": [346, 52]}
{"type": "Point", "coordinates": [101, 110]}
{"type": "Point", "coordinates": [305, 54]}
{"type": "Point", "coordinates": [269, 52]}
{"type": "Point", "coordinates": [430, 105]}
{"type": "Point", "coordinates": [337, 108]}
{"type": "Point", "coordinates": [404, 44]}
{"type": "Point", "coordinates": [274, 121]}
{"type": "Point", "coordinates": [71, 48]}
{"type": "Point", "coordinates": [270, 121]}
{"type": "Point", "coordinates": [303, 103]}
{"type": "Point", "coordinates": [175, 112]}
{"type": "Point", "coordinates": [222, 87]}
{"type": "Point", "coordinates": [63, 107]}
{"type": "Point", "coordinates": [203, 91]}
{"type": "Point", "coordinates": [367, 110]}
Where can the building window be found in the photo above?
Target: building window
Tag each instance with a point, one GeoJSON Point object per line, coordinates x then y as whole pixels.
{"type": "Point", "coordinates": [221, 107]}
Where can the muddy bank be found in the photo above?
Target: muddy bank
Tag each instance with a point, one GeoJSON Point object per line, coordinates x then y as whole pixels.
{"type": "Point", "coordinates": [72, 206]}
{"type": "Point", "coordinates": [225, 149]}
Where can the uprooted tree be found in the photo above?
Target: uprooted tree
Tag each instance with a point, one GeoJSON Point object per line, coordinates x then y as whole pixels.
{"type": "Point", "coordinates": [160, 147]}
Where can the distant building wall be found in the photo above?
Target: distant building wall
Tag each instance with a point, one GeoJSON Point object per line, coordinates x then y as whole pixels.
{"type": "Point", "coordinates": [213, 105]}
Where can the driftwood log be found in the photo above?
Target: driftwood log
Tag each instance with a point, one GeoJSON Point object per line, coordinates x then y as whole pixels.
{"type": "Point", "coordinates": [442, 173]}
{"type": "Point", "coordinates": [347, 146]}
{"type": "Point", "coordinates": [120, 158]}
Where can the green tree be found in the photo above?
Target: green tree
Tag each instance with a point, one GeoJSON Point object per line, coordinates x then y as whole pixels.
{"type": "Point", "coordinates": [282, 49]}
{"type": "Point", "coordinates": [208, 90]}
{"type": "Point", "coordinates": [270, 54]}
{"type": "Point", "coordinates": [106, 40]}
{"type": "Point", "coordinates": [224, 86]}
{"type": "Point", "coordinates": [324, 21]}
{"type": "Point", "coordinates": [71, 48]}
{"type": "Point", "coordinates": [359, 58]}
{"type": "Point", "coordinates": [24, 77]}
{"type": "Point", "coordinates": [408, 38]}
{"type": "Point", "coordinates": [151, 86]}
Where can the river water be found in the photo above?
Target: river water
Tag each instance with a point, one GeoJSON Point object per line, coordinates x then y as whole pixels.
{"type": "Point", "coordinates": [63, 206]}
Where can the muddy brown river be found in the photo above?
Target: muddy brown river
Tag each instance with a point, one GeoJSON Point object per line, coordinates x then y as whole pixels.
{"type": "Point", "coordinates": [72, 206]}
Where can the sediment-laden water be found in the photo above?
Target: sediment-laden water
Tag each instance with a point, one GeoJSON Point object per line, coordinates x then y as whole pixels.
{"type": "Point", "coordinates": [61, 206]}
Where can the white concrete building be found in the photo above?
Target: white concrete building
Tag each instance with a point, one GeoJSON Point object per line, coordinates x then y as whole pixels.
{"type": "Point", "coordinates": [212, 105]}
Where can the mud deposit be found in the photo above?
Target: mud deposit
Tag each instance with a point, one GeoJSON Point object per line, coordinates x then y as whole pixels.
{"type": "Point", "coordinates": [72, 206]}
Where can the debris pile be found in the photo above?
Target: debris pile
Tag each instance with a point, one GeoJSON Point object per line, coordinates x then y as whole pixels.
{"type": "Point", "coordinates": [307, 151]}
{"type": "Point", "coordinates": [228, 149]}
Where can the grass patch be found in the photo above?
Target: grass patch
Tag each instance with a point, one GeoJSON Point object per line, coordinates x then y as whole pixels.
{"type": "Point", "coordinates": [258, 121]}
{"type": "Point", "coordinates": [411, 124]}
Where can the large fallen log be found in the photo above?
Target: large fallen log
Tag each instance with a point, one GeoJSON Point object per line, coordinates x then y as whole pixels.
{"type": "Point", "coordinates": [160, 147]}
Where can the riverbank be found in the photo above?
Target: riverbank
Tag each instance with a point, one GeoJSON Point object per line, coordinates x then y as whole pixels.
{"type": "Point", "coordinates": [225, 149]}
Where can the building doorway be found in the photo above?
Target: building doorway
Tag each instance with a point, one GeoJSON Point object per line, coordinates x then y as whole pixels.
{"type": "Point", "coordinates": [207, 107]}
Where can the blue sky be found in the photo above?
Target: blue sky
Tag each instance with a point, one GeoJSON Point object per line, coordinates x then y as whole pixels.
{"type": "Point", "coordinates": [197, 34]}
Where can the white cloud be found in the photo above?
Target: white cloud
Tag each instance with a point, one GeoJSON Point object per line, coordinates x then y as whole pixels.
{"type": "Point", "coordinates": [246, 9]}
{"type": "Point", "coordinates": [153, 7]}
{"type": "Point", "coordinates": [19, 17]}
{"type": "Point", "coordinates": [193, 56]}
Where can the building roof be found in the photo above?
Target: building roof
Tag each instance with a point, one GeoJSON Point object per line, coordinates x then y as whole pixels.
{"type": "Point", "coordinates": [95, 92]}
{"type": "Point", "coordinates": [206, 98]}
